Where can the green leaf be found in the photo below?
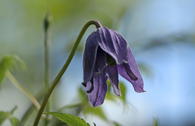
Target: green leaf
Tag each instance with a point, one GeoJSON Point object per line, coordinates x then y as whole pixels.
{"type": "Point", "coordinates": [3, 116]}
{"type": "Point", "coordinates": [97, 111]}
{"type": "Point", "coordinates": [7, 62]}
{"type": "Point", "coordinates": [14, 121]}
{"type": "Point", "coordinates": [69, 119]}
{"type": "Point", "coordinates": [123, 92]}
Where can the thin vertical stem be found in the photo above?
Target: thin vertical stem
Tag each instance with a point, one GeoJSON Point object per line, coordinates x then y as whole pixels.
{"type": "Point", "coordinates": [46, 51]}
{"type": "Point", "coordinates": [46, 60]}
{"type": "Point", "coordinates": [64, 68]}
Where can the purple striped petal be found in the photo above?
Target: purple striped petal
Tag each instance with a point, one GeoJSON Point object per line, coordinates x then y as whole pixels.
{"type": "Point", "coordinates": [97, 95]}
{"type": "Point", "coordinates": [113, 44]}
{"type": "Point", "coordinates": [130, 71]}
{"type": "Point", "coordinates": [100, 63]}
{"type": "Point", "coordinates": [113, 77]}
{"type": "Point", "coordinates": [89, 57]}
{"type": "Point", "coordinates": [106, 54]}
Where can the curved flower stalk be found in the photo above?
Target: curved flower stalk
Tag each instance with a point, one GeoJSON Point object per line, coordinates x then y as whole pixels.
{"type": "Point", "coordinates": [106, 55]}
{"type": "Point", "coordinates": [63, 69]}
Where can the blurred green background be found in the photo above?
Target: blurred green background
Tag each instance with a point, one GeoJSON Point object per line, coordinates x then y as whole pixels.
{"type": "Point", "coordinates": [161, 34]}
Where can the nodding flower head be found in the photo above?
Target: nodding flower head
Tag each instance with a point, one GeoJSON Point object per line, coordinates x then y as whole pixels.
{"type": "Point", "coordinates": [106, 55]}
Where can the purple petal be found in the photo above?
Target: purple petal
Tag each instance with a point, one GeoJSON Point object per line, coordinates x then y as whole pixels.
{"type": "Point", "coordinates": [100, 63]}
{"type": "Point", "coordinates": [97, 95]}
{"type": "Point", "coordinates": [113, 44]}
{"type": "Point", "coordinates": [130, 71]}
{"type": "Point", "coordinates": [90, 56]}
{"type": "Point", "coordinates": [113, 77]}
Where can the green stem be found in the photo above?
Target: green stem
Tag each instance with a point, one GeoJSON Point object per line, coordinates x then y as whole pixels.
{"type": "Point", "coordinates": [46, 24]}
{"type": "Point", "coordinates": [64, 68]}
{"type": "Point", "coordinates": [24, 91]}
{"type": "Point", "coordinates": [46, 52]}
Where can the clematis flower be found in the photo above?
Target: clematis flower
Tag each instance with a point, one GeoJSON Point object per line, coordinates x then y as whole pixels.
{"type": "Point", "coordinates": [106, 55]}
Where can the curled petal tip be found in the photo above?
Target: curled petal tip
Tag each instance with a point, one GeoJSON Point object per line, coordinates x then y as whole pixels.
{"type": "Point", "coordinates": [84, 84]}
{"type": "Point", "coordinates": [139, 89]}
{"type": "Point", "coordinates": [96, 104]}
{"type": "Point", "coordinates": [117, 91]}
